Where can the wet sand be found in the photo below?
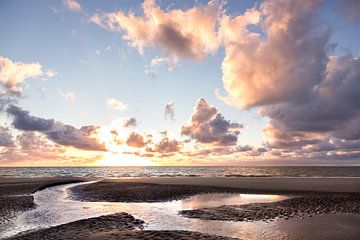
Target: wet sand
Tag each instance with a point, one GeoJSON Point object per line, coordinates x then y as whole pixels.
{"type": "Point", "coordinates": [275, 185]}
{"type": "Point", "coordinates": [297, 207]}
{"type": "Point", "coordinates": [336, 195]}
{"type": "Point", "coordinates": [119, 191]}
{"type": "Point", "coordinates": [166, 188]}
{"type": "Point", "coordinates": [309, 196]}
{"type": "Point", "coordinates": [115, 226]}
{"type": "Point", "coordinates": [15, 194]}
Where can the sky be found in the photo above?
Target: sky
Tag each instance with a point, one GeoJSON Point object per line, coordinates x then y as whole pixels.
{"type": "Point", "coordinates": [138, 83]}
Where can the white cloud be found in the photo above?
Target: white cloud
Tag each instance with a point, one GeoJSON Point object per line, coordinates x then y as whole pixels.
{"type": "Point", "coordinates": [14, 74]}
{"type": "Point", "coordinates": [72, 5]}
{"type": "Point", "coordinates": [116, 104]}
{"type": "Point", "coordinates": [68, 96]}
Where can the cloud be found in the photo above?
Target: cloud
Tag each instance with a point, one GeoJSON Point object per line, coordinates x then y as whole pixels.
{"type": "Point", "coordinates": [6, 139]}
{"type": "Point", "coordinates": [169, 111]}
{"type": "Point", "coordinates": [35, 149]}
{"type": "Point", "coordinates": [285, 70]}
{"type": "Point", "coordinates": [57, 132]}
{"type": "Point", "coordinates": [207, 125]}
{"type": "Point", "coordinates": [72, 5]}
{"type": "Point", "coordinates": [279, 138]}
{"type": "Point", "coordinates": [68, 96]}
{"type": "Point", "coordinates": [14, 74]}
{"type": "Point", "coordinates": [130, 122]}
{"type": "Point", "coordinates": [172, 32]}
{"type": "Point", "coordinates": [170, 62]}
{"type": "Point", "coordinates": [332, 108]}
{"type": "Point", "coordinates": [135, 140]}
{"type": "Point", "coordinates": [31, 141]}
{"type": "Point", "coordinates": [166, 146]}
{"type": "Point", "coordinates": [24, 121]}
{"type": "Point", "coordinates": [115, 104]}
{"type": "Point", "coordinates": [352, 9]}
{"type": "Point", "coordinates": [281, 67]}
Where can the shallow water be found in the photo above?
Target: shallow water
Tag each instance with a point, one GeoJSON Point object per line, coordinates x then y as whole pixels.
{"type": "Point", "coordinates": [56, 207]}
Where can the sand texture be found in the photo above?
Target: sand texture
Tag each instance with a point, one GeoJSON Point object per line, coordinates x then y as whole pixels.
{"type": "Point", "coordinates": [116, 226]}
{"type": "Point", "coordinates": [297, 207]}
{"type": "Point", "coordinates": [113, 191]}
{"type": "Point", "coordinates": [273, 185]}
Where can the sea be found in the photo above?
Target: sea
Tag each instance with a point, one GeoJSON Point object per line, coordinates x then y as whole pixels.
{"type": "Point", "coordinates": [117, 172]}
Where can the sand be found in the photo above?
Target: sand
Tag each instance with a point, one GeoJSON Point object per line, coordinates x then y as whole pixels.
{"type": "Point", "coordinates": [270, 185]}
{"type": "Point", "coordinates": [165, 188]}
{"type": "Point", "coordinates": [118, 191]}
{"type": "Point", "coordinates": [315, 197]}
{"type": "Point", "coordinates": [337, 195]}
{"type": "Point", "coordinates": [297, 207]}
{"type": "Point", "coordinates": [115, 226]}
{"type": "Point", "coordinates": [15, 194]}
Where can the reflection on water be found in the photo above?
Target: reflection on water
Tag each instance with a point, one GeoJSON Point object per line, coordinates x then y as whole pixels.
{"type": "Point", "coordinates": [55, 207]}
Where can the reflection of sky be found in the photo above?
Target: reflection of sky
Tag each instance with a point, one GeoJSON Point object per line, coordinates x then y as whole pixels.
{"type": "Point", "coordinates": [55, 208]}
{"type": "Point", "coordinates": [66, 42]}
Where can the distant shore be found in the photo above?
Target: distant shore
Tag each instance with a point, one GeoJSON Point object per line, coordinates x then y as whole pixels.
{"type": "Point", "coordinates": [307, 196]}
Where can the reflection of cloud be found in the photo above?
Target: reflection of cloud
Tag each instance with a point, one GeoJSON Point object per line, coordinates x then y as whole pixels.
{"type": "Point", "coordinates": [115, 104]}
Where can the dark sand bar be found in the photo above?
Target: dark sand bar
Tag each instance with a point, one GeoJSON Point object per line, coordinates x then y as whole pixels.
{"type": "Point", "coordinates": [256, 184]}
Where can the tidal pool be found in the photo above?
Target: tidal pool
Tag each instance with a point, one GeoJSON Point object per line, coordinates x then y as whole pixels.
{"type": "Point", "coordinates": [55, 207]}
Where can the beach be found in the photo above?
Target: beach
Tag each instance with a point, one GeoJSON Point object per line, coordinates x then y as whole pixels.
{"type": "Point", "coordinates": [306, 200]}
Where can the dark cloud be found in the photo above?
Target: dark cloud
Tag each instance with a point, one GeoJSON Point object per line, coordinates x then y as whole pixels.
{"type": "Point", "coordinates": [23, 121]}
{"type": "Point", "coordinates": [130, 122]}
{"type": "Point", "coordinates": [209, 126]}
{"type": "Point", "coordinates": [167, 146]}
{"type": "Point", "coordinates": [170, 111]}
{"type": "Point", "coordinates": [56, 131]}
{"type": "Point", "coordinates": [32, 141]}
{"type": "Point", "coordinates": [6, 139]}
{"type": "Point", "coordinates": [172, 40]}
{"type": "Point", "coordinates": [351, 8]}
{"type": "Point", "coordinates": [333, 107]}
{"type": "Point", "coordinates": [67, 135]}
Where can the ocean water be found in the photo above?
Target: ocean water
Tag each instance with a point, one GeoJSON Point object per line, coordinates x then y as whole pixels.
{"type": "Point", "coordinates": [116, 172]}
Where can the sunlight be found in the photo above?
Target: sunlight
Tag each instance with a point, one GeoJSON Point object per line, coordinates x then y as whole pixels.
{"type": "Point", "coordinates": [112, 159]}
